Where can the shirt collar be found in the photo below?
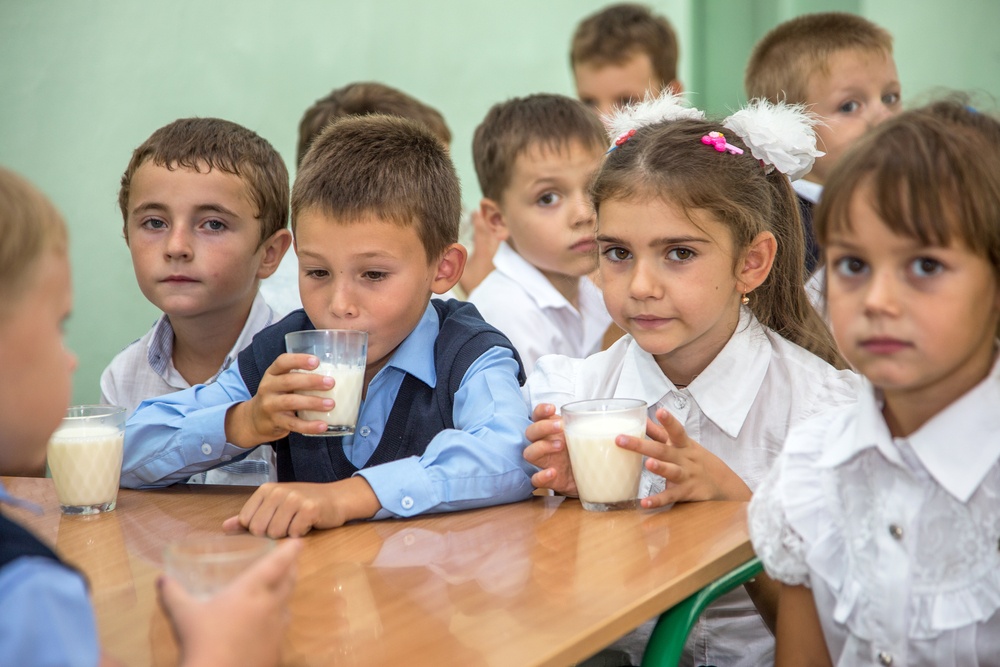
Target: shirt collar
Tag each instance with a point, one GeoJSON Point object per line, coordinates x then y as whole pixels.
{"type": "Point", "coordinates": [415, 355]}
{"type": "Point", "coordinates": [726, 403]}
{"type": "Point", "coordinates": [808, 190]}
{"type": "Point", "coordinates": [536, 285]}
{"type": "Point", "coordinates": [160, 350]}
{"type": "Point", "coordinates": [957, 447]}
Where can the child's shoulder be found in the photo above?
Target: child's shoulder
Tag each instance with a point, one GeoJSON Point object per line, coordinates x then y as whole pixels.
{"type": "Point", "coordinates": [591, 377]}
{"type": "Point", "coordinates": [805, 374]}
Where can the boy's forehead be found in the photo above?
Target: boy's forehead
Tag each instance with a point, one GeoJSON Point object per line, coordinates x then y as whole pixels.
{"type": "Point", "coordinates": [555, 155]}
{"type": "Point", "coordinates": [174, 180]}
{"type": "Point", "coordinates": [838, 67]}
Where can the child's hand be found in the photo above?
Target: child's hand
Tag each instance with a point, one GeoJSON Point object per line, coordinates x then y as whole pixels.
{"type": "Point", "coordinates": [692, 472]}
{"type": "Point", "coordinates": [270, 414]}
{"type": "Point", "coordinates": [241, 625]}
{"type": "Point", "coordinates": [548, 451]}
{"type": "Point", "coordinates": [294, 508]}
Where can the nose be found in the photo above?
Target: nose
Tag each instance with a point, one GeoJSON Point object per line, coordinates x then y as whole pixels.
{"type": "Point", "coordinates": [644, 284]}
{"type": "Point", "coordinates": [342, 305]}
{"type": "Point", "coordinates": [179, 243]}
{"type": "Point", "coordinates": [881, 112]}
{"type": "Point", "coordinates": [882, 295]}
{"type": "Point", "coordinates": [583, 212]}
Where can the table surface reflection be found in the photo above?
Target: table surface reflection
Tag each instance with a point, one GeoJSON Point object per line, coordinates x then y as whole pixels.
{"type": "Point", "coordinates": [541, 582]}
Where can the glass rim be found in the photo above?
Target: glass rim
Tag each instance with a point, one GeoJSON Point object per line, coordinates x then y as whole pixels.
{"type": "Point", "coordinates": [92, 411]}
{"type": "Point", "coordinates": [204, 549]}
{"type": "Point", "coordinates": [614, 405]}
{"type": "Point", "coordinates": [348, 332]}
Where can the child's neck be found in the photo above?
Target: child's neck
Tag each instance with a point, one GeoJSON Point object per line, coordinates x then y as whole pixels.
{"type": "Point", "coordinates": [684, 364]}
{"type": "Point", "coordinates": [202, 343]}
{"type": "Point", "coordinates": [568, 286]}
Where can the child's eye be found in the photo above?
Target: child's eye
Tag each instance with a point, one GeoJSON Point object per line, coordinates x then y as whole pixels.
{"type": "Point", "coordinates": [374, 276]}
{"type": "Point", "coordinates": [549, 199]}
{"type": "Point", "coordinates": [849, 107]}
{"type": "Point", "coordinates": [890, 99]}
{"type": "Point", "coordinates": [214, 225]}
{"type": "Point", "coordinates": [154, 223]}
{"type": "Point", "coordinates": [850, 266]}
{"type": "Point", "coordinates": [317, 273]}
{"type": "Point", "coordinates": [617, 254]}
{"type": "Point", "coordinates": [924, 267]}
{"type": "Point", "coordinates": [680, 254]}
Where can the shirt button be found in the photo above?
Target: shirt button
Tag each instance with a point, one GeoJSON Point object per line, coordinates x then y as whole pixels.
{"type": "Point", "coordinates": [364, 431]}
{"type": "Point", "coordinates": [884, 658]}
{"type": "Point", "coordinates": [406, 502]}
{"type": "Point", "coordinates": [680, 402]}
{"type": "Point", "coordinates": [206, 449]}
{"type": "Point", "coordinates": [896, 532]}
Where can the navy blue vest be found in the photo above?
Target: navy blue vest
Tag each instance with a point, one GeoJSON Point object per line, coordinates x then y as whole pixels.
{"type": "Point", "coordinates": [419, 412]}
{"type": "Point", "coordinates": [16, 541]}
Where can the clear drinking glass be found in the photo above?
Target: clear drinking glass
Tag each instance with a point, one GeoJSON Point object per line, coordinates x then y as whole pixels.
{"type": "Point", "coordinates": [342, 355]}
{"type": "Point", "coordinates": [205, 565]}
{"type": "Point", "coordinates": [607, 476]}
{"type": "Point", "coordinates": [85, 458]}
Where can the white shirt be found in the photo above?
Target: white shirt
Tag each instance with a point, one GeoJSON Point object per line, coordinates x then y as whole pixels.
{"type": "Point", "coordinates": [145, 369]}
{"type": "Point", "coordinates": [281, 288]}
{"type": "Point", "coordinates": [739, 408]}
{"type": "Point", "coordinates": [520, 301]}
{"type": "Point", "coordinates": [808, 190]}
{"type": "Point", "coordinates": [899, 538]}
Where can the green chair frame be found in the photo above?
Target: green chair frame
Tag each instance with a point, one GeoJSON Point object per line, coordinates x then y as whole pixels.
{"type": "Point", "coordinates": [674, 625]}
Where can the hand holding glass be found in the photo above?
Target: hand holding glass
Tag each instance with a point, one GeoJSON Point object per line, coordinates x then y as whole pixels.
{"type": "Point", "coordinates": [342, 355]}
{"type": "Point", "coordinates": [607, 476]}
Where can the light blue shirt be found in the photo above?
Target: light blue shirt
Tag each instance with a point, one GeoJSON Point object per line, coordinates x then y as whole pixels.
{"type": "Point", "coordinates": [47, 618]}
{"type": "Point", "coordinates": [476, 464]}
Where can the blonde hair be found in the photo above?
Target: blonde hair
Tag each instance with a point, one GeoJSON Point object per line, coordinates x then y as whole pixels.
{"type": "Point", "coordinates": [30, 227]}
{"type": "Point", "coordinates": [668, 161]}
{"type": "Point", "coordinates": [783, 61]}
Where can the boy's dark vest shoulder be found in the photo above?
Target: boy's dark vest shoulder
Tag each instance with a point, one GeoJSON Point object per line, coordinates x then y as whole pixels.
{"type": "Point", "coordinates": [419, 412]}
{"type": "Point", "coordinates": [809, 232]}
{"type": "Point", "coordinates": [17, 542]}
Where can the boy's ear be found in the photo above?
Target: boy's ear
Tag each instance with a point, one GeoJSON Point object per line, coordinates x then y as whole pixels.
{"type": "Point", "coordinates": [675, 87]}
{"type": "Point", "coordinates": [493, 216]}
{"type": "Point", "coordinates": [757, 262]}
{"type": "Point", "coordinates": [273, 249]}
{"type": "Point", "coordinates": [449, 268]}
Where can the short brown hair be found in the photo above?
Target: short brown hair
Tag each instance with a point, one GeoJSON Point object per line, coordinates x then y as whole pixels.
{"type": "Point", "coordinates": [514, 126]}
{"type": "Point", "coordinates": [363, 98]}
{"type": "Point", "coordinates": [220, 144]}
{"type": "Point", "coordinates": [384, 166]}
{"type": "Point", "coordinates": [30, 227]}
{"type": "Point", "coordinates": [616, 33]}
{"type": "Point", "coordinates": [667, 161]}
{"type": "Point", "coordinates": [785, 58]}
{"type": "Point", "coordinates": [933, 174]}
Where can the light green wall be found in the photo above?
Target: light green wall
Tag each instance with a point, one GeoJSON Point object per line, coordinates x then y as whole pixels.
{"type": "Point", "coordinates": [83, 83]}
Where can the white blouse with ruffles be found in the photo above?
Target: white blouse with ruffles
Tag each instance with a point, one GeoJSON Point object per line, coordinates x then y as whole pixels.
{"type": "Point", "coordinates": [898, 538]}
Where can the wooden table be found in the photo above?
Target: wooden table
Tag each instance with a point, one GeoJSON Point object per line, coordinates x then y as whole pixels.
{"type": "Point", "coordinates": [541, 582]}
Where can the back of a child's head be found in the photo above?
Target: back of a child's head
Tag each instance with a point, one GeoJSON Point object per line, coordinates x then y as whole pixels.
{"type": "Point", "coordinates": [385, 167]}
{"type": "Point", "coordinates": [618, 32]}
{"type": "Point", "coordinates": [361, 99]}
{"type": "Point", "coordinates": [202, 144]}
{"type": "Point", "coordinates": [668, 161]}
{"type": "Point", "coordinates": [511, 128]}
{"type": "Point", "coordinates": [783, 61]}
{"type": "Point", "coordinates": [30, 227]}
{"type": "Point", "coordinates": [931, 174]}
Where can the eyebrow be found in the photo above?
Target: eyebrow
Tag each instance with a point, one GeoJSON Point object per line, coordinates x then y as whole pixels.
{"type": "Point", "coordinates": [152, 206]}
{"type": "Point", "coordinates": [663, 241]}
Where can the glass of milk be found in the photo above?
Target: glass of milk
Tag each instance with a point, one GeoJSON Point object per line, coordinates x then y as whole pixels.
{"type": "Point", "coordinates": [342, 355]}
{"type": "Point", "coordinates": [85, 458]}
{"type": "Point", "coordinates": [204, 565]}
{"type": "Point", "coordinates": [607, 476]}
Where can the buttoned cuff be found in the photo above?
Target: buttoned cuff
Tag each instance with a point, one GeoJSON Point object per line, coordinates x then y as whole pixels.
{"type": "Point", "coordinates": [402, 487]}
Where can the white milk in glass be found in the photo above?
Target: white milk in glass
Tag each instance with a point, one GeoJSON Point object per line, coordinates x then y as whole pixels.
{"type": "Point", "coordinates": [86, 463]}
{"type": "Point", "coordinates": [348, 382]}
{"type": "Point", "coordinates": [605, 473]}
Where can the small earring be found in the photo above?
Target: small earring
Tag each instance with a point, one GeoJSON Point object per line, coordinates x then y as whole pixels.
{"type": "Point", "coordinates": [745, 300]}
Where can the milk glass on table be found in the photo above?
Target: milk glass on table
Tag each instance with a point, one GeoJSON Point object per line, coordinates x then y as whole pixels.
{"type": "Point", "coordinates": [342, 355]}
{"type": "Point", "coordinates": [204, 565]}
{"type": "Point", "coordinates": [85, 458]}
{"type": "Point", "coordinates": [607, 476]}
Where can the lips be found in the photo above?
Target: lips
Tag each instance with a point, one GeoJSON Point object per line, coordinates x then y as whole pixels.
{"type": "Point", "coordinates": [884, 345]}
{"type": "Point", "coordinates": [649, 321]}
{"type": "Point", "coordinates": [586, 245]}
{"type": "Point", "coordinates": [179, 279]}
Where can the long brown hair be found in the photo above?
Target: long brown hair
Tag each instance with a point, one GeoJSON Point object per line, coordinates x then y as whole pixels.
{"type": "Point", "coordinates": [668, 161]}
